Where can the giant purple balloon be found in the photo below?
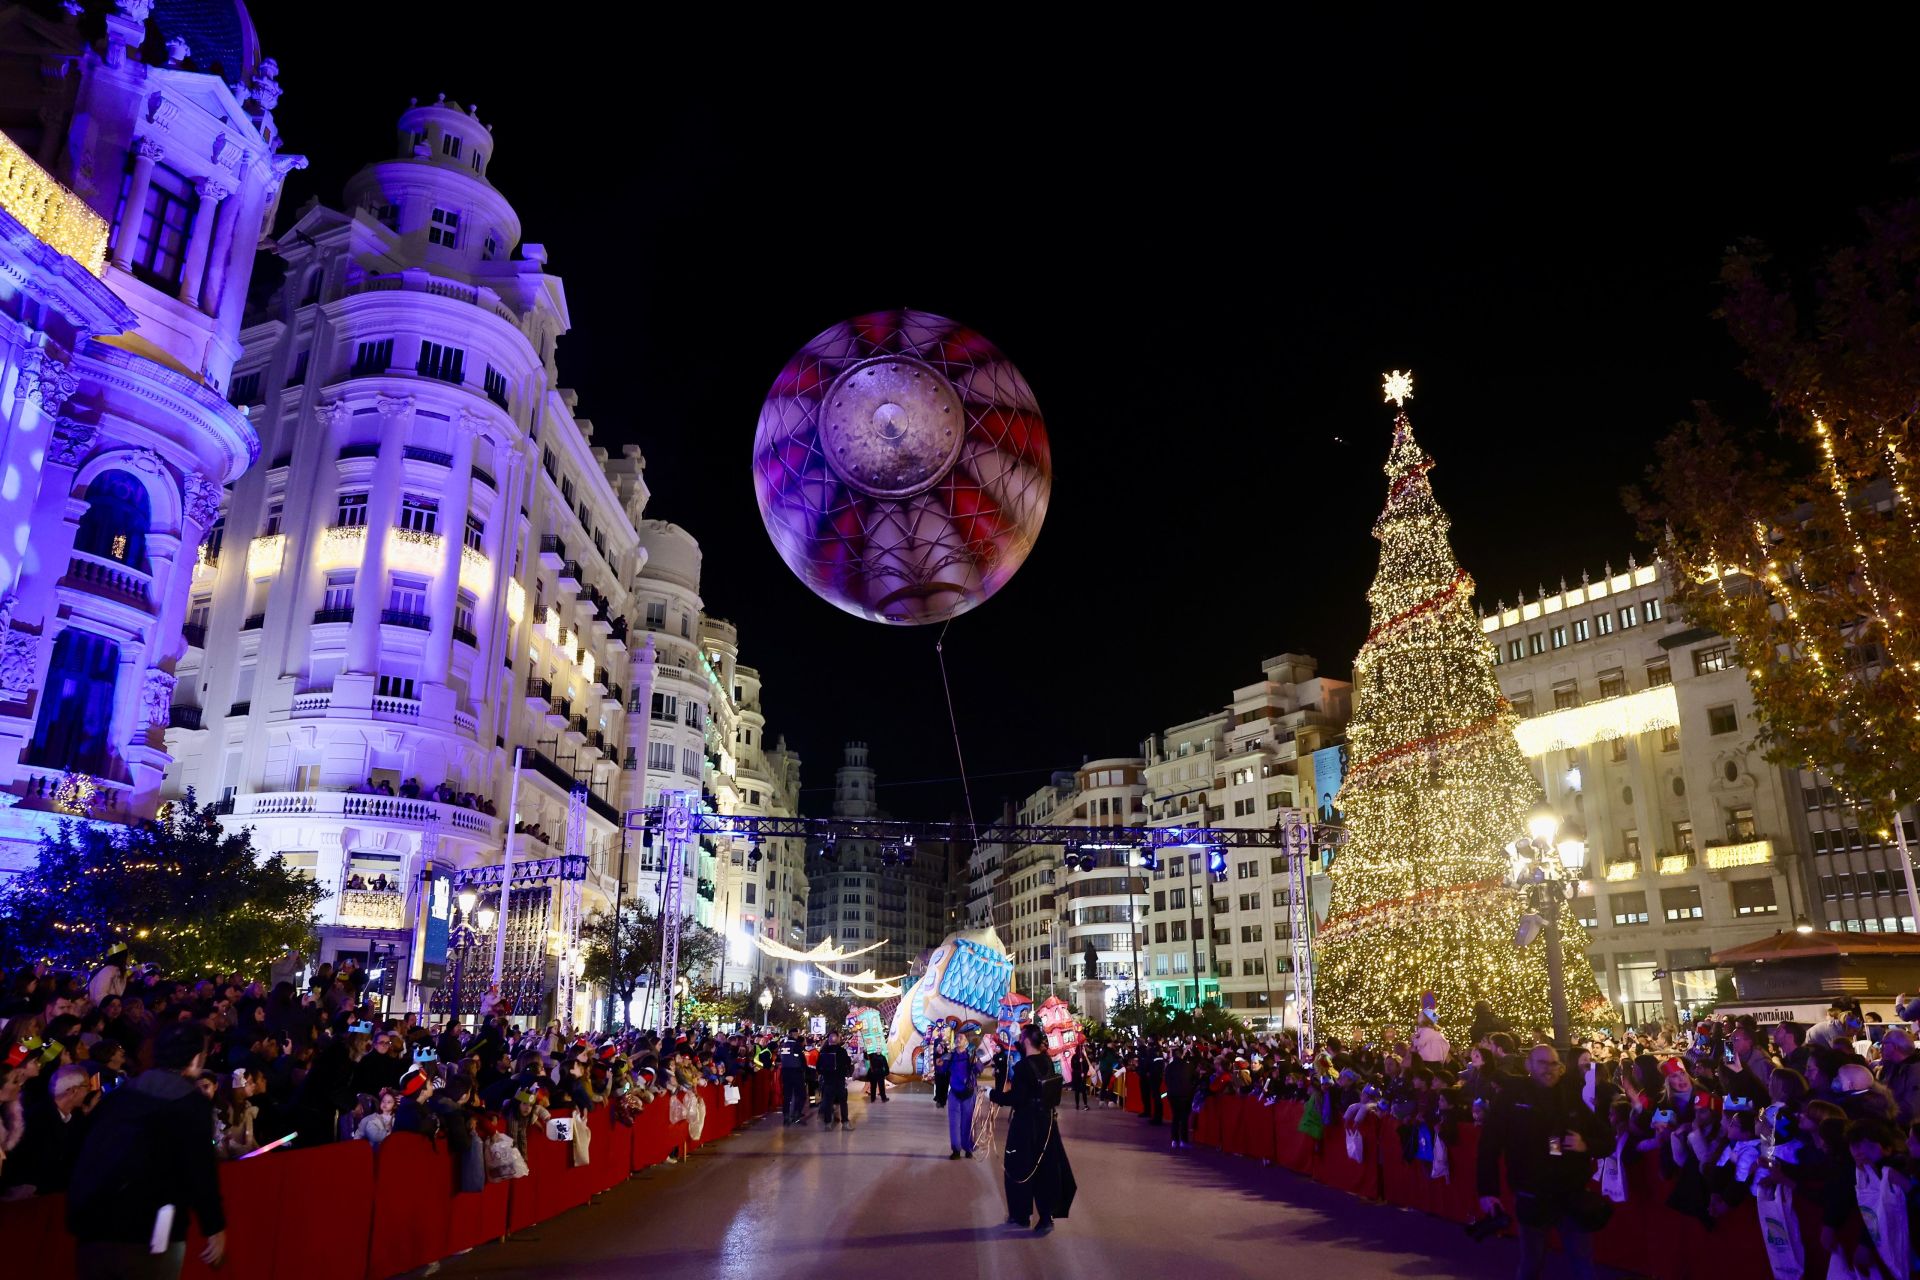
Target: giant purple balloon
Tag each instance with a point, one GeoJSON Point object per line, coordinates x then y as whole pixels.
{"type": "Point", "coordinates": [902, 467]}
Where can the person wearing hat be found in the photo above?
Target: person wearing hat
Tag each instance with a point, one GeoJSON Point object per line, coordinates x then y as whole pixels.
{"type": "Point", "coordinates": [413, 1115]}
{"type": "Point", "coordinates": [793, 1078]}
{"type": "Point", "coordinates": [1900, 1072]}
{"type": "Point", "coordinates": [110, 979]}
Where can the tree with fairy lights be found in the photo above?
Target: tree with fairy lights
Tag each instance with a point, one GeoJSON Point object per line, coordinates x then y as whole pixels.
{"type": "Point", "coordinates": [180, 891]}
{"type": "Point", "coordinates": [1436, 790]}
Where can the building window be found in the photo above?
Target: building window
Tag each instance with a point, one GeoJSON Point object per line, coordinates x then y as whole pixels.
{"type": "Point", "coordinates": [1612, 684]}
{"type": "Point", "coordinates": [1581, 630]}
{"type": "Point", "coordinates": [1628, 908]}
{"type": "Point", "coordinates": [409, 596]}
{"type": "Point", "coordinates": [1740, 822]}
{"type": "Point", "coordinates": [476, 533]}
{"type": "Point", "coordinates": [660, 756]}
{"type": "Point", "coordinates": [1536, 643]}
{"type": "Point", "coordinates": [449, 147]}
{"type": "Point", "coordinates": [1683, 836]}
{"type": "Point", "coordinates": [275, 513]}
{"type": "Point", "coordinates": [1711, 658]}
{"type": "Point", "coordinates": [1179, 931]}
{"type": "Point", "coordinates": [422, 515]}
{"type": "Point", "coordinates": [338, 598]}
{"type": "Point", "coordinates": [1602, 624]}
{"type": "Point", "coordinates": [1586, 912]}
{"type": "Point", "coordinates": [1628, 617]}
{"type": "Point", "coordinates": [1250, 933]}
{"type": "Point", "coordinates": [387, 215]}
{"type": "Point", "coordinates": [1514, 651]}
{"type": "Point", "coordinates": [666, 708]}
{"type": "Point", "coordinates": [492, 248]}
{"type": "Point", "coordinates": [396, 687]}
{"type": "Point", "coordinates": [689, 762]}
{"type": "Point", "coordinates": [372, 357]}
{"type": "Point", "coordinates": [1566, 696]}
{"type": "Point", "coordinates": [1557, 636]}
{"type": "Point", "coordinates": [160, 229]}
{"type": "Point", "coordinates": [350, 510]}
{"type": "Point", "coordinates": [656, 617]}
{"type": "Point", "coordinates": [1722, 720]}
{"type": "Point", "coordinates": [445, 228]}
{"type": "Point", "coordinates": [1670, 738]}
{"type": "Point", "coordinates": [448, 364]}
{"type": "Point", "coordinates": [246, 389]}
{"type": "Point", "coordinates": [1754, 897]}
{"type": "Point", "coordinates": [1650, 610]}
{"type": "Point", "coordinates": [495, 384]}
{"type": "Point", "coordinates": [463, 615]}
{"type": "Point", "coordinates": [1682, 903]}
{"type": "Point", "coordinates": [1659, 673]}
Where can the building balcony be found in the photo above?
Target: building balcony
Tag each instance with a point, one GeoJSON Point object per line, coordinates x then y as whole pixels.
{"type": "Point", "coordinates": [575, 731]}
{"type": "Point", "coordinates": [431, 456]}
{"type": "Point", "coordinates": [101, 576]}
{"type": "Point", "coordinates": [466, 637]}
{"type": "Point", "coordinates": [321, 617]}
{"type": "Point", "coordinates": [371, 909]}
{"type": "Point", "coordinates": [394, 810]}
{"type": "Point", "coordinates": [416, 280]}
{"type": "Point", "coordinates": [254, 622]}
{"type": "Point", "coordinates": [559, 712]}
{"type": "Point", "coordinates": [539, 695]}
{"type": "Point", "coordinates": [183, 717]}
{"type": "Point", "coordinates": [319, 702]}
{"type": "Point", "coordinates": [569, 578]}
{"type": "Point", "coordinates": [553, 552]}
{"type": "Point", "coordinates": [1731, 854]}
{"type": "Point", "coordinates": [1621, 869]}
{"type": "Point", "coordinates": [195, 635]}
{"type": "Point", "coordinates": [401, 618]}
{"type": "Point", "coordinates": [485, 477]}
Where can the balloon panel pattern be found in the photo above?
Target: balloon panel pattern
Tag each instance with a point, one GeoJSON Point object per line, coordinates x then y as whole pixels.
{"type": "Point", "coordinates": [902, 467]}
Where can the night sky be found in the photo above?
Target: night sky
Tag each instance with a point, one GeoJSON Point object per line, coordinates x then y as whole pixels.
{"type": "Point", "coordinates": [1202, 252]}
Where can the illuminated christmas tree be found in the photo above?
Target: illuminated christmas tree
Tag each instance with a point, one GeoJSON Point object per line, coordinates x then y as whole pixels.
{"type": "Point", "coordinates": [1436, 789]}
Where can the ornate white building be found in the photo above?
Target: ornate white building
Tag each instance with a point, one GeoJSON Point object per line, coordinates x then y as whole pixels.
{"type": "Point", "coordinates": [120, 299]}
{"type": "Point", "coordinates": [425, 581]}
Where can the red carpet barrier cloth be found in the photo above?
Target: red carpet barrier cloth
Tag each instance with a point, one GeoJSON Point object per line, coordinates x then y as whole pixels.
{"type": "Point", "coordinates": [34, 1234]}
{"type": "Point", "coordinates": [262, 1241]}
{"type": "Point", "coordinates": [394, 1210]}
{"type": "Point", "coordinates": [1291, 1147]}
{"type": "Point", "coordinates": [1338, 1169]}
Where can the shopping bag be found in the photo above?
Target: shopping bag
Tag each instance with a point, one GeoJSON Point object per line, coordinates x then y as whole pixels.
{"type": "Point", "coordinates": [1882, 1195]}
{"type": "Point", "coordinates": [1441, 1168]}
{"type": "Point", "coordinates": [732, 1094]}
{"type": "Point", "coordinates": [1356, 1145]}
{"type": "Point", "coordinates": [582, 1143]}
{"type": "Point", "coordinates": [1780, 1232]}
{"type": "Point", "coordinates": [1613, 1179]}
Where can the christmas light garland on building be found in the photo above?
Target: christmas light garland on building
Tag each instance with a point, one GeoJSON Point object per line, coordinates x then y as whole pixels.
{"type": "Point", "coordinates": [1419, 899]}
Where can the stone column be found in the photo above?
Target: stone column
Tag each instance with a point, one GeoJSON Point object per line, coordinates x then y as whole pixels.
{"type": "Point", "coordinates": [383, 502]}
{"type": "Point", "coordinates": [146, 153]}
{"type": "Point", "coordinates": [219, 261]}
{"type": "Point", "coordinates": [194, 272]}
{"type": "Point", "coordinates": [492, 626]}
{"type": "Point", "coordinates": [437, 661]}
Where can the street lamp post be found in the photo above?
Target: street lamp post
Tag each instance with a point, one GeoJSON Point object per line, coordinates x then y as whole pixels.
{"type": "Point", "coordinates": [1550, 874]}
{"type": "Point", "coordinates": [766, 1005]}
{"type": "Point", "coordinates": [467, 925]}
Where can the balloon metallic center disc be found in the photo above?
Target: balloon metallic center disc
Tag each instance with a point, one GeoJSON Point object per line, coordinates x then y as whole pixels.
{"type": "Point", "coordinates": [891, 426]}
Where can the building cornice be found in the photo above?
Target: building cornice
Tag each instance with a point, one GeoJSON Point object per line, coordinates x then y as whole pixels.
{"type": "Point", "coordinates": [135, 375]}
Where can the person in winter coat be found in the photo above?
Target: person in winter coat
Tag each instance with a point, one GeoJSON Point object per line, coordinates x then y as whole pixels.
{"type": "Point", "coordinates": [940, 1055]}
{"type": "Point", "coordinates": [1548, 1139]}
{"type": "Point", "coordinates": [1900, 1072]}
{"type": "Point", "coordinates": [149, 1151]}
{"type": "Point", "coordinates": [1081, 1067]}
{"type": "Point", "coordinates": [1038, 1174]}
{"type": "Point", "coordinates": [835, 1068]}
{"type": "Point", "coordinates": [1180, 1088]}
{"type": "Point", "coordinates": [961, 1071]}
{"type": "Point", "coordinates": [876, 1075]}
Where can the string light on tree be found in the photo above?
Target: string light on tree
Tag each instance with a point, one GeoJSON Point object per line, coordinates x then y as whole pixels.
{"type": "Point", "coordinates": [1437, 788]}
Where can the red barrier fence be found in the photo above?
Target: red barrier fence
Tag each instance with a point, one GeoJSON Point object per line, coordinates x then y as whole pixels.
{"type": "Point", "coordinates": [1643, 1236]}
{"type": "Point", "coordinates": [396, 1209]}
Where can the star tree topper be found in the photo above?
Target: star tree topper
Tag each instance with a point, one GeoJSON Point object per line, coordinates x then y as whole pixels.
{"type": "Point", "coordinates": [1399, 387]}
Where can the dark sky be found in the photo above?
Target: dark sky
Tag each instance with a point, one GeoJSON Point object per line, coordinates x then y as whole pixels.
{"type": "Point", "coordinates": [1202, 250]}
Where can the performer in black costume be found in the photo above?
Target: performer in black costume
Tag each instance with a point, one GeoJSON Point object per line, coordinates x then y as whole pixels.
{"type": "Point", "coordinates": [1037, 1173]}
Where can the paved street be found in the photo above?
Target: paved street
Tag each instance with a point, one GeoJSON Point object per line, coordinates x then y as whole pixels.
{"type": "Point", "coordinates": [884, 1200]}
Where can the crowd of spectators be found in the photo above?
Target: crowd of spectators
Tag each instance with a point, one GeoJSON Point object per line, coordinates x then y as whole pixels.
{"type": "Point", "coordinates": [413, 789]}
{"type": "Point", "coordinates": [125, 1072]}
{"type": "Point", "coordinates": [1725, 1107]}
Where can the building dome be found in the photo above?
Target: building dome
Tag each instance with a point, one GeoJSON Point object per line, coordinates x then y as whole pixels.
{"type": "Point", "coordinates": [219, 33]}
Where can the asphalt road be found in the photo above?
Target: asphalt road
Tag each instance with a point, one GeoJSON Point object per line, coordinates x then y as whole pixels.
{"type": "Point", "coordinates": [884, 1200]}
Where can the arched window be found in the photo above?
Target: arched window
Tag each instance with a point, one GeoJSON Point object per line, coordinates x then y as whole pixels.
{"type": "Point", "coordinates": [76, 709]}
{"type": "Point", "coordinates": [116, 520]}
{"type": "Point", "coordinates": [311, 294]}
